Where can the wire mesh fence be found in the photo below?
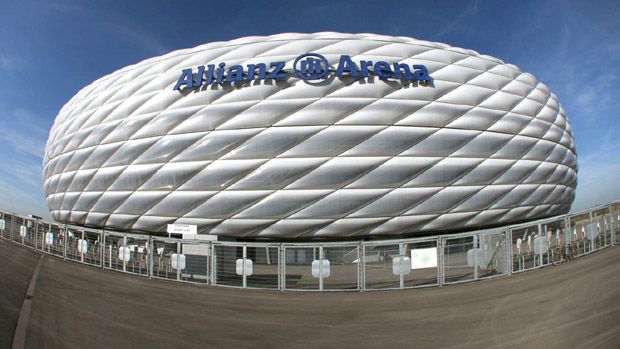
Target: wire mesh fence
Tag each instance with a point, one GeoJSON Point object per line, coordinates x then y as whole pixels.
{"type": "Point", "coordinates": [333, 266]}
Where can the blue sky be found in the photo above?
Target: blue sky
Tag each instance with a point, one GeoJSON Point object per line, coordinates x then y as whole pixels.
{"type": "Point", "coordinates": [50, 50]}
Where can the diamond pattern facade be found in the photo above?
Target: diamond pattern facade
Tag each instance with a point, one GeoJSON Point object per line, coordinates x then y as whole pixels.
{"type": "Point", "coordinates": [484, 144]}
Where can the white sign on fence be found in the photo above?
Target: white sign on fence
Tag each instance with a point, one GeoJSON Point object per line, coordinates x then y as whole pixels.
{"type": "Point", "coordinates": [592, 231]}
{"type": "Point", "coordinates": [316, 268]}
{"type": "Point", "coordinates": [476, 257]}
{"type": "Point", "coordinates": [401, 263]}
{"type": "Point", "coordinates": [201, 237]}
{"type": "Point", "coordinates": [1, 224]}
{"type": "Point", "coordinates": [182, 229]}
{"type": "Point", "coordinates": [124, 253]}
{"type": "Point", "coordinates": [49, 239]}
{"type": "Point", "coordinates": [424, 258]}
{"type": "Point", "coordinates": [541, 245]}
{"type": "Point", "coordinates": [82, 246]}
{"type": "Point", "coordinates": [23, 231]}
{"type": "Point", "coordinates": [177, 260]}
{"type": "Point", "coordinates": [248, 267]}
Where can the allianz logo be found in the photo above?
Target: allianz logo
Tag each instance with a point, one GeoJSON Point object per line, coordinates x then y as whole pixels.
{"type": "Point", "coordinates": [307, 67]}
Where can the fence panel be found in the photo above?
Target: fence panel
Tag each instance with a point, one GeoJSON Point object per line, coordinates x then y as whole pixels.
{"type": "Point", "coordinates": [579, 243]}
{"type": "Point", "coordinates": [456, 268]}
{"type": "Point", "coordinates": [197, 261]}
{"type": "Point", "coordinates": [128, 253]}
{"type": "Point", "coordinates": [601, 219]}
{"type": "Point", "coordinates": [265, 266]}
{"type": "Point", "coordinates": [523, 240]}
{"type": "Point", "coordinates": [42, 228]}
{"type": "Point", "coordinates": [615, 214]}
{"type": "Point", "coordinates": [298, 268]}
{"type": "Point", "coordinates": [163, 249]}
{"type": "Point", "coordinates": [556, 234]}
{"type": "Point", "coordinates": [84, 245]}
{"type": "Point", "coordinates": [16, 224]}
{"type": "Point", "coordinates": [494, 246]}
{"type": "Point", "coordinates": [343, 267]}
{"type": "Point", "coordinates": [424, 262]}
{"type": "Point", "coordinates": [74, 236]}
{"type": "Point", "coordinates": [54, 240]}
{"type": "Point", "coordinates": [225, 267]}
{"type": "Point", "coordinates": [378, 271]}
{"type": "Point", "coordinates": [28, 232]}
{"type": "Point", "coordinates": [6, 232]}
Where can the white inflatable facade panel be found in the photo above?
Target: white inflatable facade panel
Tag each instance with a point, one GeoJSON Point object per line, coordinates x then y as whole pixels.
{"type": "Point", "coordinates": [484, 144]}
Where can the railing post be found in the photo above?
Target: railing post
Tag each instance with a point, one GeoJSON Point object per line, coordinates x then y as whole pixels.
{"type": "Point", "coordinates": [149, 254]}
{"type": "Point", "coordinates": [590, 222]}
{"type": "Point", "coordinates": [125, 246]}
{"type": "Point", "coordinates": [282, 261]}
{"type": "Point", "coordinates": [81, 248]}
{"type": "Point", "coordinates": [509, 259]}
{"type": "Point", "coordinates": [64, 242]}
{"type": "Point", "coordinates": [476, 244]}
{"type": "Point", "coordinates": [361, 262]}
{"type": "Point", "coordinates": [213, 265]}
{"type": "Point", "coordinates": [244, 256]}
{"type": "Point", "coordinates": [611, 225]}
{"type": "Point", "coordinates": [440, 265]}
{"type": "Point", "coordinates": [178, 258]}
{"type": "Point", "coordinates": [401, 271]}
{"type": "Point", "coordinates": [102, 248]}
{"type": "Point", "coordinates": [321, 268]}
{"type": "Point", "coordinates": [36, 233]}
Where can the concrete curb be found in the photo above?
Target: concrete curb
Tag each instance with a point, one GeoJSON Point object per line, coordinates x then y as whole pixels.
{"type": "Point", "coordinates": [19, 336]}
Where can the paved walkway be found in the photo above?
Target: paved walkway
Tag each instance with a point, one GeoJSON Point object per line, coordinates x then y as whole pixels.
{"type": "Point", "coordinates": [574, 305]}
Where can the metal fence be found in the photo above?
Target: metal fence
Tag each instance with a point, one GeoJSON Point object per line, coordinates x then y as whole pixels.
{"type": "Point", "coordinates": [329, 266]}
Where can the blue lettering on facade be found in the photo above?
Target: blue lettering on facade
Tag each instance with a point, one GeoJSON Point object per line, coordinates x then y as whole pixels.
{"type": "Point", "coordinates": [309, 66]}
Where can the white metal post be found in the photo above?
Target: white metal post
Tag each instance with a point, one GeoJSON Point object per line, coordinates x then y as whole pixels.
{"type": "Point", "coordinates": [178, 259]}
{"type": "Point", "coordinates": [66, 233]}
{"type": "Point", "coordinates": [361, 262]}
{"type": "Point", "coordinates": [213, 265]}
{"type": "Point", "coordinates": [125, 246]}
{"type": "Point", "coordinates": [591, 221]}
{"type": "Point", "coordinates": [476, 245]}
{"type": "Point", "coordinates": [36, 234]}
{"type": "Point", "coordinates": [149, 255]}
{"type": "Point", "coordinates": [82, 248]}
{"type": "Point", "coordinates": [245, 283]}
{"type": "Point", "coordinates": [611, 225]}
{"type": "Point", "coordinates": [401, 270]}
{"type": "Point", "coordinates": [321, 267]}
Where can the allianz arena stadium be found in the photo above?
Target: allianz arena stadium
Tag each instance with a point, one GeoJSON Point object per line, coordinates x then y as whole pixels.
{"type": "Point", "coordinates": [306, 136]}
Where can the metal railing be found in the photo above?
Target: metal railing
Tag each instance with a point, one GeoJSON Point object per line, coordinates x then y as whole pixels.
{"type": "Point", "coordinates": [328, 266]}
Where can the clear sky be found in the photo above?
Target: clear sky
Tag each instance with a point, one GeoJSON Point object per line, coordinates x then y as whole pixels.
{"type": "Point", "coordinates": [51, 49]}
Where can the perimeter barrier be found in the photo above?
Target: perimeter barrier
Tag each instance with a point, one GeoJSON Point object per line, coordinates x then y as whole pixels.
{"type": "Point", "coordinates": [328, 266]}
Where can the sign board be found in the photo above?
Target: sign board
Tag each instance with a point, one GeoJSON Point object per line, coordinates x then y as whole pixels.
{"type": "Point", "coordinates": [82, 246]}
{"type": "Point", "coordinates": [201, 237]}
{"type": "Point", "coordinates": [248, 267]}
{"type": "Point", "coordinates": [308, 67]}
{"type": "Point", "coordinates": [49, 238]}
{"type": "Point", "coordinates": [196, 249]}
{"type": "Point", "coordinates": [124, 253]}
{"type": "Point", "coordinates": [182, 229]}
{"type": "Point", "coordinates": [401, 264]}
{"type": "Point", "coordinates": [592, 231]}
{"type": "Point", "coordinates": [1, 224]}
{"type": "Point", "coordinates": [23, 231]}
{"type": "Point", "coordinates": [177, 260]}
{"type": "Point", "coordinates": [424, 258]}
{"type": "Point", "coordinates": [316, 268]}
{"type": "Point", "coordinates": [476, 258]}
{"type": "Point", "coordinates": [540, 245]}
